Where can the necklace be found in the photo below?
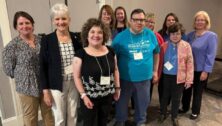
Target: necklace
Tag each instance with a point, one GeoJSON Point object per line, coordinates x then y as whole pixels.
{"type": "Point", "coordinates": [101, 67]}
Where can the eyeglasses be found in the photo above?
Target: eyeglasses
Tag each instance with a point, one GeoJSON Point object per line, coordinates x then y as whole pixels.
{"type": "Point", "coordinates": [138, 20]}
{"type": "Point", "coordinates": [150, 22]}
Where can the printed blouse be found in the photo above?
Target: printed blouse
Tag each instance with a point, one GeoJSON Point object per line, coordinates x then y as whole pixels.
{"type": "Point", "coordinates": [91, 71]}
{"type": "Point", "coordinates": [67, 54]}
{"type": "Point", "coordinates": [21, 62]}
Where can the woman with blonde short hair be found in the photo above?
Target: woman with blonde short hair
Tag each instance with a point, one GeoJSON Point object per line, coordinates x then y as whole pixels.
{"type": "Point", "coordinates": [204, 46]}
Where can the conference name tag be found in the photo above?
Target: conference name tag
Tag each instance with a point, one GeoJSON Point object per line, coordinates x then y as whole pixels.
{"type": "Point", "coordinates": [104, 80]}
{"type": "Point", "coordinates": [168, 65]}
{"type": "Point", "coordinates": [138, 56]}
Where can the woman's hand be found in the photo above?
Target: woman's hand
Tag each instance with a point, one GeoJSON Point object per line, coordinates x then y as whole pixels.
{"type": "Point", "coordinates": [186, 85]}
{"type": "Point", "coordinates": [87, 102]}
{"type": "Point", "coordinates": [203, 76]}
{"type": "Point", "coordinates": [117, 94]}
{"type": "Point", "coordinates": [47, 96]}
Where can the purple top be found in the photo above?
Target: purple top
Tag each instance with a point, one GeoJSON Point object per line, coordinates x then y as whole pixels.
{"type": "Point", "coordinates": [204, 50]}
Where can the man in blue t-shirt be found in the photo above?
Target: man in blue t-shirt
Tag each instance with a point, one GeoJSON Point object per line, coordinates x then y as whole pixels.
{"type": "Point", "coordinates": [137, 52]}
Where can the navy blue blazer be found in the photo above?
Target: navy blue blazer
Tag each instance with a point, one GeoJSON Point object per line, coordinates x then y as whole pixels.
{"type": "Point", "coordinates": [50, 61]}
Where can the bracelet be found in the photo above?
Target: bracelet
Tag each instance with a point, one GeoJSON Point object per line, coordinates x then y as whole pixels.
{"type": "Point", "coordinates": [83, 95]}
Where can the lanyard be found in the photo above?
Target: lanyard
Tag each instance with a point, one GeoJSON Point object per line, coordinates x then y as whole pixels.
{"type": "Point", "coordinates": [173, 48]}
{"type": "Point", "coordinates": [132, 37]}
{"type": "Point", "coordinates": [101, 67]}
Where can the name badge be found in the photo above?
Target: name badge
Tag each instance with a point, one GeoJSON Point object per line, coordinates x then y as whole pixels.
{"type": "Point", "coordinates": [168, 65]}
{"type": "Point", "coordinates": [68, 69]}
{"type": "Point", "coordinates": [104, 80]}
{"type": "Point", "coordinates": [138, 56]}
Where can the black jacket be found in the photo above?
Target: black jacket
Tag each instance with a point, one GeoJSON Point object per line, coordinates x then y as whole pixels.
{"type": "Point", "coordinates": [50, 61]}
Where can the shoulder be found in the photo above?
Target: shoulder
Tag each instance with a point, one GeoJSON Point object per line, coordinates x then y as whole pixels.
{"type": "Point", "coordinates": [119, 37]}
{"type": "Point", "coordinates": [13, 43]}
{"type": "Point", "coordinates": [185, 43]}
{"type": "Point", "coordinates": [38, 38]}
{"type": "Point", "coordinates": [149, 33]}
{"type": "Point", "coordinates": [157, 34]}
{"type": "Point", "coordinates": [123, 33]}
{"type": "Point", "coordinates": [75, 36]}
{"type": "Point", "coordinates": [80, 53]}
{"type": "Point", "coordinates": [165, 44]}
{"type": "Point", "coordinates": [111, 50]}
{"type": "Point", "coordinates": [146, 30]}
{"type": "Point", "coordinates": [190, 34]}
{"type": "Point", "coordinates": [210, 33]}
{"type": "Point", "coordinates": [49, 37]}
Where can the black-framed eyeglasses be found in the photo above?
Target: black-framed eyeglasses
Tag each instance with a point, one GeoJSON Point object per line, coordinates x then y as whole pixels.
{"type": "Point", "coordinates": [138, 20]}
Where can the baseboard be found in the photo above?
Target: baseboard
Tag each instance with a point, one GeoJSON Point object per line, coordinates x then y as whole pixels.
{"type": "Point", "coordinates": [13, 121]}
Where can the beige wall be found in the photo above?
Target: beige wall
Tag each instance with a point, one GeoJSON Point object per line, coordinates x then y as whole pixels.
{"type": "Point", "coordinates": [40, 11]}
{"type": "Point", "coordinates": [184, 9]}
{"type": "Point", "coordinates": [81, 10]}
{"type": "Point", "coordinates": [219, 28]}
{"type": "Point", "coordinates": [6, 104]}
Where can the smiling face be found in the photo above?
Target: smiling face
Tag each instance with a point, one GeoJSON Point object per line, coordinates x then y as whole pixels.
{"type": "Point", "coordinates": [61, 22]}
{"type": "Point", "coordinates": [24, 26]}
{"type": "Point", "coordinates": [170, 21]}
{"type": "Point", "coordinates": [137, 22]}
{"type": "Point", "coordinates": [95, 36]}
{"type": "Point", "coordinates": [120, 16]}
{"type": "Point", "coordinates": [106, 17]}
{"type": "Point", "coordinates": [200, 23]}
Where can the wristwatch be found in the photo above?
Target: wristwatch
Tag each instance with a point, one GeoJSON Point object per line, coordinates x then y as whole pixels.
{"type": "Point", "coordinates": [82, 95]}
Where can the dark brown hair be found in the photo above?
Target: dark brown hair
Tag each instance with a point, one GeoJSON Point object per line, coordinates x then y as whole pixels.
{"type": "Point", "coordinates": [176, 27]}
{"type": "Point", "coordinates": [164, 27]}
{"type": "Point", "coordinates": [137, 11]}
{"type": "Point", "coordinates": [22, 14]}
{"type": "Point", "coordinates": [93, 22]}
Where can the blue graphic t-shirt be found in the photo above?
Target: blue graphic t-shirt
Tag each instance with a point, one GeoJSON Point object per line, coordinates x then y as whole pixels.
{"type": "Point", "coordinates": [135, 54]}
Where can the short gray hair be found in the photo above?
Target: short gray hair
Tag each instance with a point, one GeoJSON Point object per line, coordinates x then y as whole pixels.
{"type": "Point", "coordinates": [59, 9]}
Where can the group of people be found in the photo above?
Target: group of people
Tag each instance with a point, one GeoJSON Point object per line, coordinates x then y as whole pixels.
{"type": "Point", "coordinates": [70, 76]}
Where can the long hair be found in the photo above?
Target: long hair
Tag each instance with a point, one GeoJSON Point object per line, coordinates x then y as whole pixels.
{"type": "Point", "coordinates": [109, 10]}
{"type": "Point", "coordinates": [164, 27]}
{"type": "Point", "coordinates": [125, 21]}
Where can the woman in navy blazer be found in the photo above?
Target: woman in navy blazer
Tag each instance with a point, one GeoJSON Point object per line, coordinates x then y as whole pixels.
{"type": "Point", "coordinates": [56, 54]}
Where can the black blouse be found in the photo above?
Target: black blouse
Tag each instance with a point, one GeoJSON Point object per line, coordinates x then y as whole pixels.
{"type": "Point", "coordinates": [91, 73]}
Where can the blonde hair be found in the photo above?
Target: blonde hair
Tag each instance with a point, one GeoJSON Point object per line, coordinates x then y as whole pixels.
{"type": "Point", "coordinates": [206, 16]}
{"type": "Point", "coordinates": [150, 15]}
{"type": "Point", "coordinates": [59, 9]}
